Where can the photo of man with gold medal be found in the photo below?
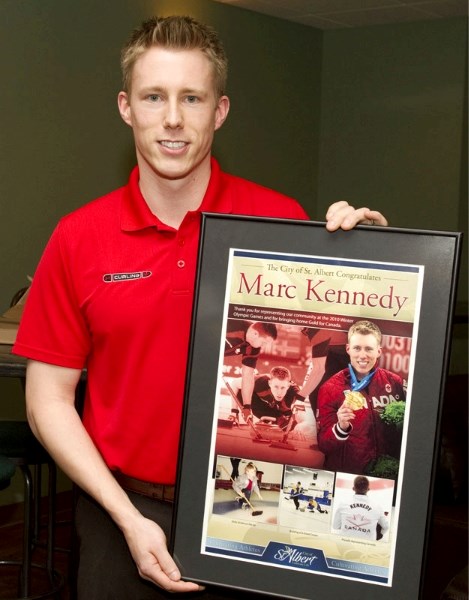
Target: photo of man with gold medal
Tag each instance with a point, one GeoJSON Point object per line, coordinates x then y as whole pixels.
{"type": "Point", "coordinates": [351, 432]}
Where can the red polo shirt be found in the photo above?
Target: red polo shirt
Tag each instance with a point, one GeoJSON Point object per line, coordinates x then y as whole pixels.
{"type": "Point", "coordinates": [113, 291]}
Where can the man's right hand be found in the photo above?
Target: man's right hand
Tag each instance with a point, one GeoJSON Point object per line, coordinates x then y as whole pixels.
{"type": "Point", "coordinates": [247, 414]}
{"type": "Point", "coordinates": [283, 421]}
{"type": "Point", "coordinates": [344, 415]}
{"type": "Point", "coordinates": [147, 544]}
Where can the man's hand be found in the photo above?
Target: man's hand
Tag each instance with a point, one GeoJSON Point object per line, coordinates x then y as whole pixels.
{"type": "Point", "coordinates": [247, 413]}
{"type": "Point", "coordinates": [147, 544]}
{"type": "Point", "coordinates": [344, 415]}
{"type": "Point", "coordinates": [341, 215]}
{"type": "Point", "coordinates": [283, 421]}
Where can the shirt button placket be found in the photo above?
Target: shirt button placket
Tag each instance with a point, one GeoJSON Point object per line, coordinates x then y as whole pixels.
{"type": "Point", "coordinates": [181, 271]}
{"type": "Point", "coordinates": [181, 243]}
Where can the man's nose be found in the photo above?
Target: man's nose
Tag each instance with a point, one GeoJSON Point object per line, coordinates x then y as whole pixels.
{"type": "Point", "coordinates": [173, 117]}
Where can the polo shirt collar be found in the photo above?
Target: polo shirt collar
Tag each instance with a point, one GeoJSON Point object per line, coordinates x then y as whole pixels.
{"type": "Point", "coordinates": [136, 214]}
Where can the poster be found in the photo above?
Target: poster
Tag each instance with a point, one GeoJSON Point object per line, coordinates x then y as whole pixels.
{"type": "Point", "coordinates": [319, 500]}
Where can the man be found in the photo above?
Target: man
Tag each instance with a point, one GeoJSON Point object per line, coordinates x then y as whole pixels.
{"type": "Point", "coordinates": [295, 494]}
{"type": "Point", "coordinates": [248, 340]}
{"type": "Point", "coordinates": [351, 432]}
{"type": "Point", "coordinates": [114, 290]}
{"type": "Point", "coordinates": [328, 356]}
{"type": "Point", "coordinates": [361, 517]}
{"type": "Point", "coordinates": [274, 395]}
{"type": "Point", "coordinates": [313, 505]}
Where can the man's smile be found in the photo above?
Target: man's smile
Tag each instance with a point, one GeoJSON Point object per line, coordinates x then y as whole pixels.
{"type": "Point", "coordinates": [173, 145]}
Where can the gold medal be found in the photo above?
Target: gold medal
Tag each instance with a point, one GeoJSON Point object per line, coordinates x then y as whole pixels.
{"type": "Point", "coordinates": [354, 400]}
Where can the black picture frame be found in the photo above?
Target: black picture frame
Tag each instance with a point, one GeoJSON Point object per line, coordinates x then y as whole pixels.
{"type": "Point", "coordinates": [437, 253]}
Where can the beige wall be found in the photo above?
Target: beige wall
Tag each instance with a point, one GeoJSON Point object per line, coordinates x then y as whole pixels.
{"type": "Point", "coordinates": [393, 109]}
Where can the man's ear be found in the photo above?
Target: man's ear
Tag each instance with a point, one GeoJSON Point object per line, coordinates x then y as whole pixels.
{"type": "Point", "coordinates": [221, 111]}
{"type": "Point", "coordinates": [124, 107]}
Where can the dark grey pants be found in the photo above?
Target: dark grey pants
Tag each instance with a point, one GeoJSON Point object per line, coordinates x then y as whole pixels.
{"type": "Point", "coordinates": [106, 570]}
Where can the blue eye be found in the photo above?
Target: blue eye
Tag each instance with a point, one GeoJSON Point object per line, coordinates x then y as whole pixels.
{"type": "Point", "coordinates": [192, 99]}
{"type": "Point", "coordinates": [154, 97]}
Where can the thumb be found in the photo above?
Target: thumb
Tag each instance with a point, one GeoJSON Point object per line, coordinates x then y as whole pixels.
{"type": "Point", "coordinates": [168, 566]}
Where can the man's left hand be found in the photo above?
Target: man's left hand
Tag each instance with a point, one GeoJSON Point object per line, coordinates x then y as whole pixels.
{"type": "Point", "coordinates": [283, 421]}
{"type": "Point", "coordinates": [341, 215]}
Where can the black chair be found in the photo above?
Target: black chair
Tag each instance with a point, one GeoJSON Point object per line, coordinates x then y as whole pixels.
{"type": "Point", "coordinates": [20, 449]}
{"type": "Point", "coordinates": [7, 470]}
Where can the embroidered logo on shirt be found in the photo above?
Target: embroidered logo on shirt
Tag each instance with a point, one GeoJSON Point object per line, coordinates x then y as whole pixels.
{"type": "Point", "coordinates": [110, 277]}
{"type": "Point", "coordinates": [359, 521]}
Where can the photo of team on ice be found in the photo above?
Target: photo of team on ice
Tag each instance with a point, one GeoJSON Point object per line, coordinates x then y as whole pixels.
{"type": "Point", "coordinates": [316, 501]}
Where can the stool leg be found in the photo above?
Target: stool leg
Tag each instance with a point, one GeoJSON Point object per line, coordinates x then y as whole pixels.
{"type": "Point", "coordinates": [51, 518]}
{"type": "Point", "coordinates": [37, 503]}
{"type": "Point", "coordinates": [25, 575]}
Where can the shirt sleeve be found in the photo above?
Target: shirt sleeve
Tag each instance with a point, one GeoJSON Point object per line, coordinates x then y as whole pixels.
{"type": "Point", "coordinates": [250, 358]}
{"type": "Point", "coordinates": [52, 328]}
{"type": "Point", "coordinates": [238, 485]}
{"type": "Point", "coordinates": [330, 436]}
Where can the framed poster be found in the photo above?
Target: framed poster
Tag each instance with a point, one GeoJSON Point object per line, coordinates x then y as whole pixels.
{"type": "Point", "coordinates": [313, 397]}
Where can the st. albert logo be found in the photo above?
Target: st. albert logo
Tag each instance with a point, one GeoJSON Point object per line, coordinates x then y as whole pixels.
{"type": "Point", "coordinates": [294, 556]}
{"type": "Point", "coordinates": [111, 277]}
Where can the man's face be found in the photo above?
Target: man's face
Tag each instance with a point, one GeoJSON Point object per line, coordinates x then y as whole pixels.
{"type": "Point", "coordinates": [364, 351]}
{"type": "Point", "coordinates": [173, 111]}
{"type": "Point", "coordinates": [278, 387]}
{"type": "Point", "coordinates": [256, 339]}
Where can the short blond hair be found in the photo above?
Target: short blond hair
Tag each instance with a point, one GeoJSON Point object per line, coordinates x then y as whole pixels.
{"type": "Point", "coordinates": [178, 33]}
{"type": "Point", "coordinates": [365, 328]}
